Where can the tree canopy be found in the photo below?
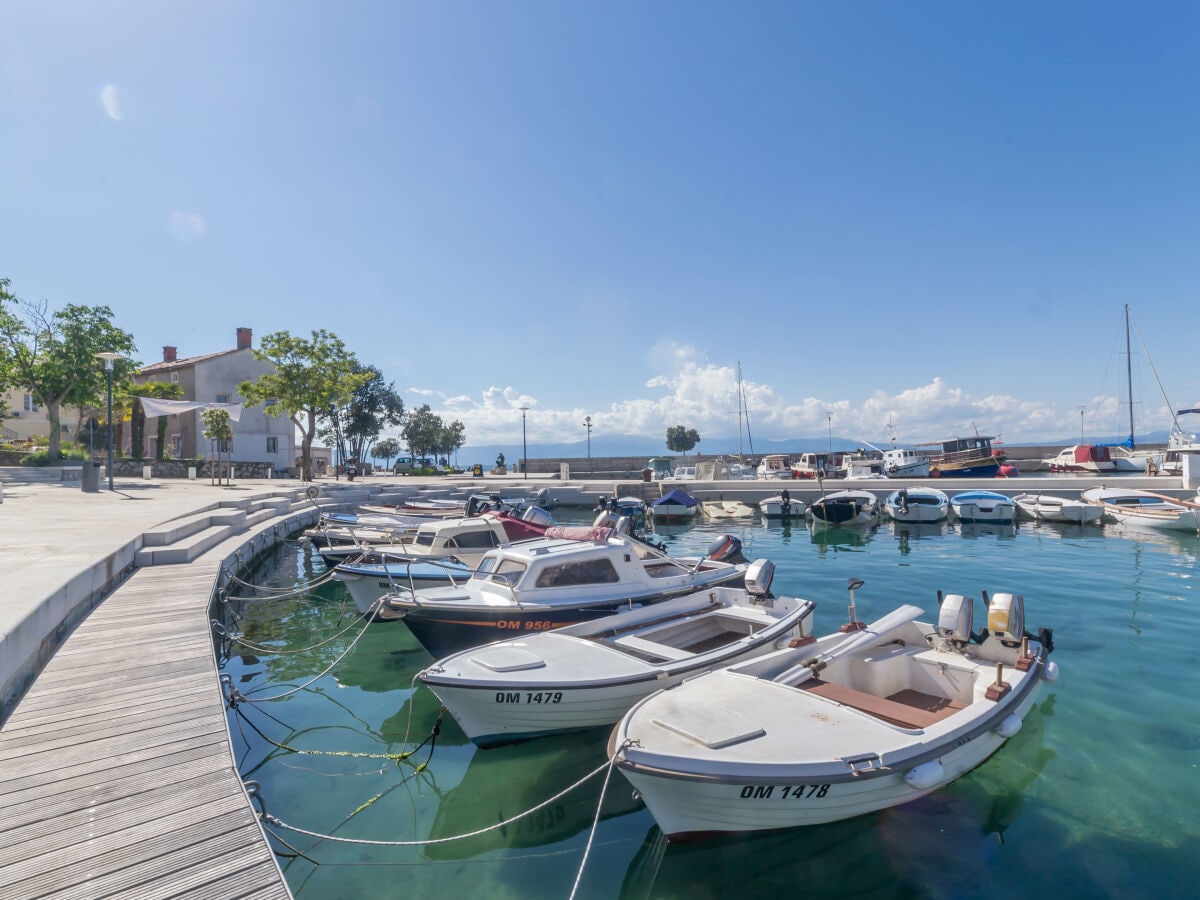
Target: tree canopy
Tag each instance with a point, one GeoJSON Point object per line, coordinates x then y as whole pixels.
{"type": "Point", "coordinates": [312, 377]}
{"type": "Point", "coordinates": [426, 433]}
{"type": "Point", "coordinates": [680, 439]}
{"type": "Point", "coordinates": [375, 405]}
{"type": "Point", "coordinates": [53, 354]}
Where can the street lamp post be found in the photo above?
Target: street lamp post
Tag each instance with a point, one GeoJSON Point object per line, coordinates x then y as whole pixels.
{"type": "Point", "coordinates": [524, 445]}
{"type": "Point", "coordinates": [108, 357]}
{"type": "Point", "coordinates": [587, 421]}
{"type": "Point", "coordinates": [829, 419]}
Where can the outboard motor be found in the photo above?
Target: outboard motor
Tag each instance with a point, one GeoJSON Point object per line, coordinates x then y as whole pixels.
{"type": "Point", "coordinates": [726, 548]}
{"type": "Point", "coordinates": [955, 618]}
{"type": "Point", "coordinates": [537, 516]}
{"type": "Point", "coordinates": [759, 577]}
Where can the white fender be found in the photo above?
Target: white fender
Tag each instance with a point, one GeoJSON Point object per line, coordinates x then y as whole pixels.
{"type": "Point", "coordinates": [1050, 672]}
{"type": "Point", "coordinates": [1009, 726]}
{"type": "Point", "coordinates": [925, 776]}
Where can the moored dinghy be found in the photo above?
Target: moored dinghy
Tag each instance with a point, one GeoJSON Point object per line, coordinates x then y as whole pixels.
{"type": "Point", "coordinates": [982, 507]}
{"type": "Point", "coordinates": [867, 718]}
{"type": "Point", "coordinates": [782, 506]}
{"type": "Point", "coordinates": [846, 509]}
{"type": "Point", "coordinates": [589, 674]}
{"type": "Point", "coordinates": [917, 504]}
{"type": "Point", "coordinates": [1048, 508]}
{"type": "Point", "coordinates": [674, 504]}
{"type": "Point", "coordinates": [1145, 509]}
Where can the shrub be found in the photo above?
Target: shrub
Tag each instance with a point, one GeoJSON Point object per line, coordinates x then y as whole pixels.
{"type": "Point", "coordinates": [42, 458]}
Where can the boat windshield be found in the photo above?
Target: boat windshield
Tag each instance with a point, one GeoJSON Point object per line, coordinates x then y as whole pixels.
{"type": "Point", "coordinates": [499, 570]}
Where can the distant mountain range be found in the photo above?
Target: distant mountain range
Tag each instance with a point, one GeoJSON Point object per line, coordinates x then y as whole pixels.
{"type": "Point", "coordinates": [637, 445]}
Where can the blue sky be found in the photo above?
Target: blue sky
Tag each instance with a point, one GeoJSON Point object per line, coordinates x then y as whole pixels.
{"type": "Point", "coordinates": [924, 213]}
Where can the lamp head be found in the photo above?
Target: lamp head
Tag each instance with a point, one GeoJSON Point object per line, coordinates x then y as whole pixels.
{"type": "Point", "coordinates": [108, 356]}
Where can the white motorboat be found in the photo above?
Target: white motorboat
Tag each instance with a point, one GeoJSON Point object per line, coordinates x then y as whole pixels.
{"type": "Point", "coordinates": [546, 583]}
{"type": "Point", "coordinates": [674, 504]}
{"type": "Point", "coordinates": [1145, 509]}
{"type": "Point", "coordinates": [917, 504]}
{"type": "Point", "coordinates": [861, 464]}
{"type": "Point", "coordinates": [589, 674]}
{"type": "Point", "coordinates": [815, 465]}
{"type": "Point", "coordinates": [860, 721]}
{"type": "Point", "coordinates": [682, 473]}
{"type": "Point", "coordinates": [904, 462]}
{"type": "Point", "coordinates": [773, 466]}
{"type": "Point", "coordinates": [1048, 508]}
{"type": "Point", "coordinates": [1088, 458]}
{"type": "Point", "coordinates": [983, 507]}
{"type": "Point", "coordinates": [726, 509]}
{"type": "Point", "coordinates": [845, 508]}
{"type": "Point", "coordinates": [782, 506]}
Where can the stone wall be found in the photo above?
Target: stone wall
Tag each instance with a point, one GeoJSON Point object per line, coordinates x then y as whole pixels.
{"type": "Point", "coordinates": [178, 468]}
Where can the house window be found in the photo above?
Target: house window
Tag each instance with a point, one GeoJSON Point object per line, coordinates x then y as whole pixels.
{"type": "Point", "coordinates": [222, 398]}
{"type": "Point", "coordinates": [175, 378]}
{"type": "Point", "coordinates": [30, 403]}
{"type": "Point", "coordinates": [222, 446]}
{"type": "Point", "coordinates": [272, 445]}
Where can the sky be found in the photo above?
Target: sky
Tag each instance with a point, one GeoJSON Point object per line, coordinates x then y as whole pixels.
{"type": "Point", "coordinates": [924, 214]}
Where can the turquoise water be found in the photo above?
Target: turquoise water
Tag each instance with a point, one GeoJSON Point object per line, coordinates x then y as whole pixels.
{"type": "Point", "coordinates": [1095, 797]}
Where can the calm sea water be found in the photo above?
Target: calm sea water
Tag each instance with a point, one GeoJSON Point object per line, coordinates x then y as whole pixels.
{"type": "Point", "coordinates": [1095, 797]}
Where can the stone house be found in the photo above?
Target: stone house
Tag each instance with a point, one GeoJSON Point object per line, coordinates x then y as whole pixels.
{"type": "Point", "coordinates": [213, 378]}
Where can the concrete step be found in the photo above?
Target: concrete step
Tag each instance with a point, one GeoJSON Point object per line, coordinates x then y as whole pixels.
{"type": "Point", "coordinates": [187, 548]}
{"type": "Point", "coordinates": [176, 530]}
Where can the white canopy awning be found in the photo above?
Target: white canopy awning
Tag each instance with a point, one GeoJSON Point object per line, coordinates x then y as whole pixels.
{"type": "Point", "coordinates": [175, 407]}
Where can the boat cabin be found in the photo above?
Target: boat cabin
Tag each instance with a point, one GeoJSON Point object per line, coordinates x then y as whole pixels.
{"type": "Point", "coordinates": [775, 465]}
{"type": "Point", "coordinates": [814, 465]}
{"type": "Point", "coordinates": [453, 537]}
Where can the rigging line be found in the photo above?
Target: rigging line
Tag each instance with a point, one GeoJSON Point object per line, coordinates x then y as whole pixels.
{"type": "Point", "coordinates": [279, 823]}
{"type": "Point", "coordinates": [1162, 390]}
{"type": "Point", "coordinates": [612, 762]}
{"type": "Point", "coordinates": [370, 615]}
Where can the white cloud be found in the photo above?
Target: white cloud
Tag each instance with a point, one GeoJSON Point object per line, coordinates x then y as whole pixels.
{"type": "Point", "coordinates": [110, 99]}
{"type": "Point", "coordinates": [185, 226]}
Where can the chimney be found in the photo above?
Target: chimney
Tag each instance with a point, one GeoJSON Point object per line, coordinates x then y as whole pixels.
{"type": "Point", "coordinates": [168, 354]}
{"type": "Point", "coordinates": [244, 335]}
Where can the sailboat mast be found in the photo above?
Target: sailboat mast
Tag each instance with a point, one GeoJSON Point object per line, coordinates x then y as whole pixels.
{"type": "Point", "coordinates": [1129, 377]}
{"type": "Point", "coordinates": [739, 365]}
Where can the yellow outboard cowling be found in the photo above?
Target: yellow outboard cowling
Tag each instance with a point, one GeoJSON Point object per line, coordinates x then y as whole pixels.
{"type": "Point", "coordinates": [1006, 617]}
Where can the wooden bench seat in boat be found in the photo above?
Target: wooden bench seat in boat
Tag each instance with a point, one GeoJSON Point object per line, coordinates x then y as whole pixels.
{"type": "Point", "coordinates": [651, 648]}
{"type": "Point", "coordinates": [908, 708]}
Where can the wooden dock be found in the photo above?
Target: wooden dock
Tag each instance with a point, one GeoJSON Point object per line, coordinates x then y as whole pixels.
{"type": "Point", "coordinates": [116, 773]}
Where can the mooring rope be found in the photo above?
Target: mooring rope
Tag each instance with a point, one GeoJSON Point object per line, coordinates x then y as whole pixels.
{"type": "Point", "coordinates": [612, 762]}
{"type": "Point", "coordinates": [220, 629]}
{"type": "Point", "coordinates": [355, 754]}
{"type": "Point", "coordinates": [279, 823]}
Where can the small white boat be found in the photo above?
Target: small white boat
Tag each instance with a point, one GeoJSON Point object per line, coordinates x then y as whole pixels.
{"type": "Point", "coordinates": [589, 674]}
{"type": "Point", "coordinates": [904, 462]}
{"type": "Point", "coordinates": [782, 506]}
{"type": "Point", "coordinates": [861, 464]}
{"type": "Point", "coordinates": [983, 507]}
{"type": "Point", "coordinates": [917, 504]}
{"type": "Point", "coordinates": [726, 509]}
{"type": "Point", "coordinates": [864, 719]}
{"type": "Point", "coordinates": [1088, 458]}
{"type": "Point", "coordinates": [774, 465]}
{"type": "Point", "coordinates": [674, 504]}
{"type": "Point", "coordinates": [845, 508]}
{"type": "Point", "coordinates": [682, 473]}
{"type": "Point", "coordinates": [1145, 509]}
{"type": "Point", "coordinates": [1048, 508]}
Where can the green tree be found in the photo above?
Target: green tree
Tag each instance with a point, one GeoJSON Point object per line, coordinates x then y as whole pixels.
{"type": "Point", "coordinates": [311, 377]}
{"type": "Point", "coordinates": [386, 449]}
{"type": "Point", "coordinates": [681, 440]}
{"type": "Point", "coordinates": [452, 437]}
{"type": "Point", "coordinates": [374, 406]}
{"type": "Point", "coordinates": [53, 354]}
{"type": "Point", "coordinates": [218, 430]}
{"type": "Point", "coordinates": [422, 431]}
{"type": "Point", "coordinates": [157, 390]}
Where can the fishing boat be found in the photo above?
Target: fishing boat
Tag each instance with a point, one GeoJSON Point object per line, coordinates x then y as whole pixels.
{"type": "Point", "coordinates": [547, 583]}
{"type": "Point", "coordinates": [917, 504]}
{"type": "Point", "coordinates": [867, 718]}
{"type": "Point", "coordinates": [782, 506]}
{"type": "Point", "coordinates": [845, 508]}
{"type": "Point", "coordinates": [589, 674]}
{"type": "Point", "coordinates": [983, 507]}
{"type": "Point", "coordinates": [815, 465]}
{"type": "Point", "coordinates": [905, 462]}
{"type": "Point", "coordinates": [1145, 509]}
{"type": "Point", "coordinates": [959, 457]}
{"type": "Point", "coordinates": [1048, 508]}
{"type": "Point", "coordinates": [1090, 458]}
{"type": "Point", "coordinates": [674, 504]}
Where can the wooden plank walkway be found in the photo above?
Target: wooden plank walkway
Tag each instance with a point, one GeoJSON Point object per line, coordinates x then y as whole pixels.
{"type": "Point", "coordinates": [116, 774]}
